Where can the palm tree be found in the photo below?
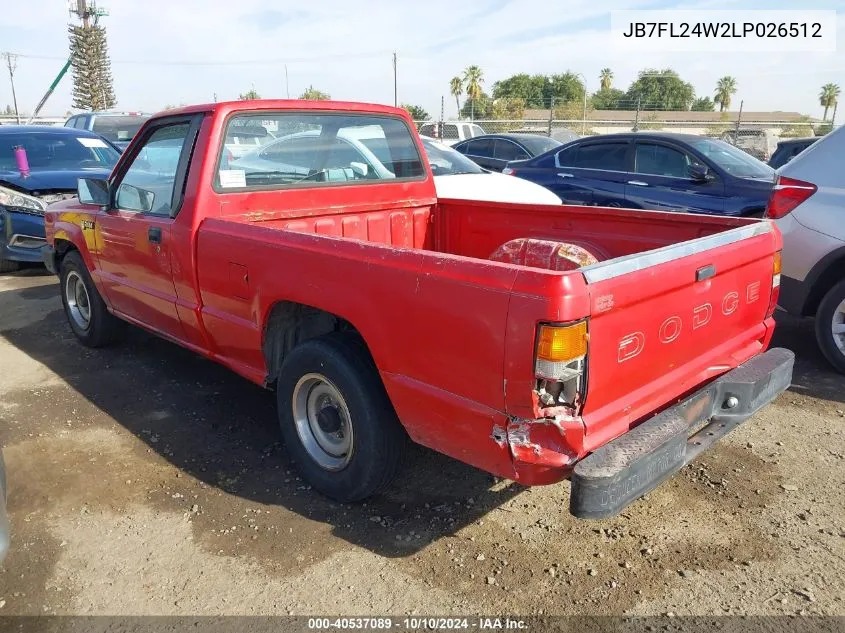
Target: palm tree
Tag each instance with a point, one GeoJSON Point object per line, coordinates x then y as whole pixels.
{"type": "Point", "coordinates": [606, 78]}
{"type": "Point", "coordinates": [473, 78]}
{"type": "Point", "coordinates": [456, 87]}
{"type": "Point", "coordinates": [828, 97]}
{"type": "Point", "coordinates": [725, 87]}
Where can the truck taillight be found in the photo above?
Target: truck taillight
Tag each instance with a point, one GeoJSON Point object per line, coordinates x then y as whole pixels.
{"type": "Point", "coordinates": [773, 299]}
{"type": "Point", "coordinates": [787, 194]}
{"type": "Point", "coordinates": [561, 350]}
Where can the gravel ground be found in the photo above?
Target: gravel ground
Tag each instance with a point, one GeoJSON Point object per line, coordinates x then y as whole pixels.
{"type": "Point", "coordinates": [146, 480]}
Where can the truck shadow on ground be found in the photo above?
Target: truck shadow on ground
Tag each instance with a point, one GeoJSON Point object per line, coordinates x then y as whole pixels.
{"type": "Point", "coordinates": [223, 431]}
{"type": "Point", "coordinates": [813, 375]}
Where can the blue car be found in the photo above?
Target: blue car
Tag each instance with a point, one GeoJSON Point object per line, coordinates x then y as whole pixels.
{"type": "Point", "coordinates": [40, 165]}
{"type": "Point", "coordinates": [657, 171]}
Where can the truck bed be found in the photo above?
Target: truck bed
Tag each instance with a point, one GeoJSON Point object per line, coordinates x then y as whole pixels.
{"type": "Point", "coordinates": [401, 273]}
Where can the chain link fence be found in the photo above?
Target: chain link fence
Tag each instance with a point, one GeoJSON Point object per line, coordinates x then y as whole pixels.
{"type": "Point", "coordinates": [757, 133]}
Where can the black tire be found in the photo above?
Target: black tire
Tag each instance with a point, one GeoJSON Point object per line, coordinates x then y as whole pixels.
{"type": "Point", "coordinates": [102, 327]}
{"type": "Point", "coordinates": [825, 315]}
{"type": "Point", "coordinates": [378, 441]}
{"type": "Point", "coordinates": [8, 266]}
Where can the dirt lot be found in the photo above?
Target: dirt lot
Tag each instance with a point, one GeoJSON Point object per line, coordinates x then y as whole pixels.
{"type": "Point", "coordinates": [145, 480]}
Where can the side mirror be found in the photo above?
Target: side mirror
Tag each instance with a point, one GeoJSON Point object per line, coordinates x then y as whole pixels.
{"type": "Point", "coordinates": [132, 198]}
{"type": "Point", "coordinates": [94, 191]}
{"type": "Point", "coordinates": [359, 169]}
{"type": "Point", "coordinates": [700, 173]}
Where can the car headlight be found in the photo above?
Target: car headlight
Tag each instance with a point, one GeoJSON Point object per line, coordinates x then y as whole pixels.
{"type": "Point", "coordinates": [15, 200]}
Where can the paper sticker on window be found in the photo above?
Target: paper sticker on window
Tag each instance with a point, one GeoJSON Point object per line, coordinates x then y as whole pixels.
{"type": "Point", "coordinates": [91, 142]}
{"type": "Point", "coordinates": [231, 178]}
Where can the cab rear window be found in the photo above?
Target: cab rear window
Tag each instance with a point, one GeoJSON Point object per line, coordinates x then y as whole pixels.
{"type": "Point", "coordinates": [313, 150]}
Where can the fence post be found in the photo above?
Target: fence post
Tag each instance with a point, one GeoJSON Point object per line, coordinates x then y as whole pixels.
{"type": "Point", "coordinates": [442, 116]}
{"type": "Point", "coordinates": [738, 121]}
{"type": "Point", "coordinates": [552, 113]}
{"type": "Point", "coordinates": [637, 117]}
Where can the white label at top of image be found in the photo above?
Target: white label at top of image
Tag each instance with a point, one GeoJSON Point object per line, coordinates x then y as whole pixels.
{"type": "Point", "coordinates": [714, 31]}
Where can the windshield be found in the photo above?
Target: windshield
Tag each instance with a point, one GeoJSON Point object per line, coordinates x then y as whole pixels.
{"type": "Point", "coordinates": [539, 144]}
{"type": "Point", "coordinates": [732, 160]}
{"type": "Point", "coordinates": [118, 128]}
{"type": "Point", "coordinates": [56, 152]}
{"type": "Point", "coordinates": [445, 161]}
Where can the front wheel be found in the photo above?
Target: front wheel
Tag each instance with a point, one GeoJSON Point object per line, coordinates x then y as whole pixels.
{"type": "Point", "coordinates": [86, 312]}
{"type": "Point", "coordinates": [337, 421]}
{"type": "Point", "coordinates": [8, 266]}
{"type": "Point", "coordinates": [830, 326]}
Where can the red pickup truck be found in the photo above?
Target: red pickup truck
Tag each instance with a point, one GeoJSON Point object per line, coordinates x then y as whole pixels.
{"type": "Point", "coordinates": [536, 342]}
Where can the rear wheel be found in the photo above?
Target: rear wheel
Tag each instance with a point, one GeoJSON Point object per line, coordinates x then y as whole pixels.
{"type": "Point", "coordinates": [86, 312]}
{"type": "Point", "coordinates": [337, 421]}
{"type": "Point", "coordinates": [830, 326]}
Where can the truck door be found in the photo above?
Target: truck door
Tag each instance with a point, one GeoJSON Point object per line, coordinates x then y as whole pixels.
{"type": "Point", "coordinates": [134, 236]}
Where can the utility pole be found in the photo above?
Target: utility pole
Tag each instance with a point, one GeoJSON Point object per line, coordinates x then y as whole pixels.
{"type": "Point", "coordinates": [637, 116]}
{"type": "Point", "coordinates": [551, 113]}
{"type": "Point", "coordinates": [287, 85]}
{"type": "Point", "coordinates": [395, 97]}
{"type": "Point", "coordinates": [12, 64]}
{"type": "Point", "coordinates": [738, 121]}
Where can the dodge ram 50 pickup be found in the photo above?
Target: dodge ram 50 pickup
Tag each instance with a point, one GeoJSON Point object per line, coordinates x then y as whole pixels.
{"type": "Point", "coordinates": [537, 342]}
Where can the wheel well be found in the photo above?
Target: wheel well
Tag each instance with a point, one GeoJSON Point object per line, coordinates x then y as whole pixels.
{"type": "Point", "coordinates": [831, 275]}
{"type": "Point", "coordinates": [62, 248]}
{"type": "Point", "coordinates": [291, 323]}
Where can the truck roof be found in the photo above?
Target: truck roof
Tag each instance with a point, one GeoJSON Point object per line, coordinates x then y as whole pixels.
{"type": "Point", "coordinates": [225, 107]}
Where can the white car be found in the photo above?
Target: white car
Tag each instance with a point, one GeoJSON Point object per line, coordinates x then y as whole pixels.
{"type": "Point", "coordinates": [456, 176]}
{"type": "Point", "coordinates": [452, 132]}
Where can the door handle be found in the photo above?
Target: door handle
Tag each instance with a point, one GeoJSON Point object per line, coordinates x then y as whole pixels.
{"type": "Point", "coordinates": [565, 176]}
{"type": "Point", "coordinates": [154, 235]}
{"type": "Point", "coordinates": [638, 183]}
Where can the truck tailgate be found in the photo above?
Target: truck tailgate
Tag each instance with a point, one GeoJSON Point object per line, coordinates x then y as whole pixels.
{"type": "Point", "coordinates": [665, 321]}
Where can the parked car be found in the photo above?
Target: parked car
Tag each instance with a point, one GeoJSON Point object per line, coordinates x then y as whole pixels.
{"type": "Point", "coordinates": [808, 205]}
{"type": "Point", "coordinates": [661, 171]}
{"type": "Point", "coordinates": [40, 165]}
{"type": "Point", "coordinates": [451, 132]}
{"type": "Point", "coordinates": [495, 151]}
{"type": "Point", "coordinates": [537, 342]}
{"type": "Point", "coordinates": [761, 144]}
{"type": "Point", "coordinates": [246, 138]}
{"type": "Point", "coordinates": [117, 127]}
{"type": "Point", "coordinates": [456, 176]}
{"type": "Point", "coordinates": [788, 149]}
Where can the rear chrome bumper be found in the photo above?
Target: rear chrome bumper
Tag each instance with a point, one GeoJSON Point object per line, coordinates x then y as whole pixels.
{"type": "Point", "coordinates": [628, 467]}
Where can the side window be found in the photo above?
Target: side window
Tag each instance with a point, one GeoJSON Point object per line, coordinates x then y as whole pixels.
{"type": "Point", "coordinates": [427, 129]}
{"type": "Point", "coordinates": [71, 122]}
{"type": "Point", "coordinates": [660, 160]}
{"type": "Point", "coordinates": [482, 147]}
{"type": "Point", "coordinates": [605, 156]}
{"type": "Point", "coordinates": [148, 184]}
{"type": "Point", "coordinates": [450, 132]}
{"type": "Point", "coordinates": [508, 150]}
{"type": "Point", "coordinates": [566, 157]}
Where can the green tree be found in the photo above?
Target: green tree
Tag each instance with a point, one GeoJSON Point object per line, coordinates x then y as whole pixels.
{"type": "Point", "coordinates": [473, 78]}
{"type": "Point", "coordinates": [456, 87]}
{"type": "Point", "coordinates": [606, 79]}
{"type": "Point", "coordinates": [725, 87]}
{"type": "Point", "coordinates": [480, 106]}
{"type": "Point", "coordinates": [92, 81]}
{"type": "Point", "coordinates": [659, 90]}
{"type": "Point", "coordinates": [417, 113]}
{"type": "Point", "coordinates": [249, 95]}
{"type": "Point", "coordinates": [531, 89]}
{"type": "Point", "coordinates": [828, 97]}
{"type": "Point", "coordinates": [703, 104]}
{"type": "Point", "coordinates": [312, 94]}
{"type": "Point", "coordinates": [610, 99]}
{"type": "Point", "coordinates": [9, 110]}
{"type": "Point", "coordinates": [508, 109]}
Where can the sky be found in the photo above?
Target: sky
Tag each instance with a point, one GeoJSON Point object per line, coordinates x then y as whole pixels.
{"type": "Point", "coordinates": [189, 51]}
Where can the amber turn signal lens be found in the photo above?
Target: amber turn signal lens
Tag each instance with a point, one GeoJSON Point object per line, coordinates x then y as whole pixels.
{"type": "Point", "coordinates": [562, 343]}
{"type": "Point", "coordinates": [776, 264]}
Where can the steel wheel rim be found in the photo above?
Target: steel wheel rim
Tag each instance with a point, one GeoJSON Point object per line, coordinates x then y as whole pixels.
{"type": "Point", "coordinates": [837, 326]}
{"type": "Point", "coordinates": [317, 406]}
{"type": "Point", "coordinates": [78, 302]}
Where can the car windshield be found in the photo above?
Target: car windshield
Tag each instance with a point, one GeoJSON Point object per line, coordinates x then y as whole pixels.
{"type": "Point", "coordinates": [539, 144]}
{"type": "Point", "coordinates": [56, 152]}
{"type": "Point", "coordinates": [734, 161]}
{"type": "Point", "coordinates": [446, 162]}
{"type": "Point", "coordinates": [118, 128]}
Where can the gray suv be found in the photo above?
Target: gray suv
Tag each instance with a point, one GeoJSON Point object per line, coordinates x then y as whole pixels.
{"type": "Point", "coordinates": [808, 205]}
